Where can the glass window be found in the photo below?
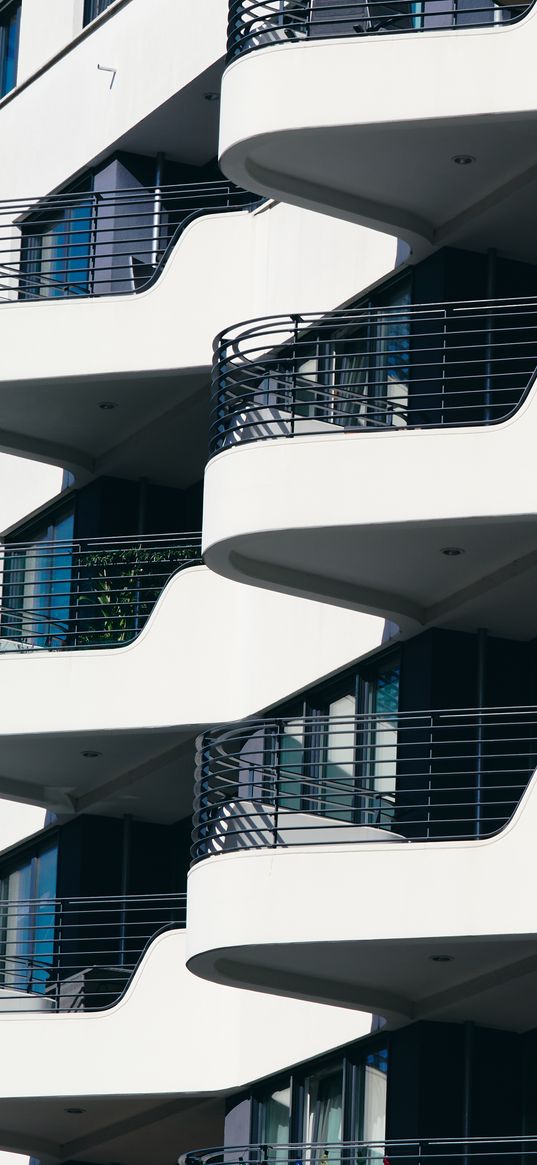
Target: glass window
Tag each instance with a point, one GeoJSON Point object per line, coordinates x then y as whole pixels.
{"type": "Point", "coordinates": [372, 365]}
{"type": "Point", "coordinates": [27, 922]}
{"type": "Point", "coordinates": [36, 584]}
{"type": "Point", "coordinates": [377, 752]}
{"type": "Point", "coordinates": [56, 248]}
{"type": "Point", "coordinates": [93, 9]}
{"type": "Point", "coordinates": [324, 1114]}
{"type": "Point", "coordinates": [274, 1118]}
{"type": "Point", "coordinates": [10, 18]}
{"type": "Point", "coordinates": [369, 1105]}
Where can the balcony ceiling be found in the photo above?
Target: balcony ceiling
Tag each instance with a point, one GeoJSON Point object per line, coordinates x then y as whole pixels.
{"type": "Point", "coordinates": [157, 430]}
{"type": "Point", "coordinates": [147, 774]}
{"type": "Point", "coordinates": [130, 1130]}
{"type": "Point", "coordinates": [491, 982]}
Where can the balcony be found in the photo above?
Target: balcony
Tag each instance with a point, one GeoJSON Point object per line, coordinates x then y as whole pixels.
{"type": "Point", "coordinates": [131, 268]}
{"type": "Point", "coordinates": [90, 242]}
{"type": "Point", "coordinates": [103, 660]}
{"type": "Point", "coordinates": [77, 595]}
{"type": "Point", "coordinates": [108, 975]}
{"type": "Point", "coordinates": [257, 24]}
{"type": "Point", "coordinates": [412, 1151]}
{"type": "Point", "coordinates": [427, 816]}
{"type": "Point", "coordinates": [78, 954]}
{"type": "Point", "coordinates": [334, 442]}
{"type": "Point", "coordinates": [357, 148]}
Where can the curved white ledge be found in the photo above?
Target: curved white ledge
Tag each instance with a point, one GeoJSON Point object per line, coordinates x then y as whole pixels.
{"type": "Point", "coordinates": [360, 519]}
{"type": "Point", "coordinates": [171, 1037]}
{"type": "Point", "coordinates": [152, 352]}
{"type": "Point", "coordinates": [195, 663]}
{"type": "Point", "coordinates": [354, 146]}
{"type": "Point", "coordinates": [357, 924]}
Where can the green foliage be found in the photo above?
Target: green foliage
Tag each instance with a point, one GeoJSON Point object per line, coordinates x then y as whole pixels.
{"type": "Point", "coordinates": [121, 587]}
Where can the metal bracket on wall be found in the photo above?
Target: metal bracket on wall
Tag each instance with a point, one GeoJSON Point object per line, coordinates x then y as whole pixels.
{"type": "Point", "coordinates": [108, 69]}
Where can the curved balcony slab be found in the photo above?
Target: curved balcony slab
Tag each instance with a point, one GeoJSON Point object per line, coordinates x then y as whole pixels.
{"type": "Point", "coordinates": [138, 707]}
{"type": "Point", "coordinates": [406, 517]}
{"type": "Point", "coordinates": [174, 1046]}
{"type": "Point", "coordinates": [150, 353]}
{"type": "Point", "coordinates": [355, 146]}
{"type": "Point", "coordinates": [414, 930]}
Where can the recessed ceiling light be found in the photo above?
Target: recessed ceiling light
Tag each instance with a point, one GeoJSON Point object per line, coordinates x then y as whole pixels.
{"type": "Point", "coordinates": [75, 1111]}
{"type": "Point", "coordinates": [107, 405]}
{"type": "Point", "coordinates": [441, 958]}
{"type": "Point", "coordinates": [452, 551]}
{"type": "Point", "coordinates": [91, 754]}
{"type": "Point", "coordinates": [212, 96]}
{"type": "Point", "coordinates": [463, 159]}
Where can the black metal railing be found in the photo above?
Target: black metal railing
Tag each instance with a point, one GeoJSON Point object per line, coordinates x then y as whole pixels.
{"type": "Point", "coordinates": [111, 242]}
{"type": "Point", "coordinates": [257, 24]}
{"type": "Point", "coordinates": [372, 368]}
{"type": "Point", "coordinates": [412, 776]}
{"type": "Point", "coordinates": [68, 954]}
{"type": "Point", "coordinates": [405, 367]}
{"type": "Point", "coordinates": [95, 592]}
{"type": "Point", "coordinates": [466, 1150]}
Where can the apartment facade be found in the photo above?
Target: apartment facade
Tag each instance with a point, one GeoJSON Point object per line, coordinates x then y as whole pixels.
{"type": "Point", "coordinates": [268, 659]}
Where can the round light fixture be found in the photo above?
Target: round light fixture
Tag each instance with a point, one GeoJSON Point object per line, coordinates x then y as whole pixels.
{"type": "Point", "coordinates": [463, 159]}
{"type": "Point", "coordinates": [107, 405]}
{"type": "Point", "coordinates": [441, 958]}
{"type": "Point", "coordinates": [91, 754]}
{"type": "Point", "coordinates": [452, 551]}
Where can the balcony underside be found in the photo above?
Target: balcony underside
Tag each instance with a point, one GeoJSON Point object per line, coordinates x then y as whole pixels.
{"type": "Point", "coordinates": [361, 519]}
{"type": "Point", "coordinates": [362, 924]}
{"type": "Point", "coordinates": [354, 147]}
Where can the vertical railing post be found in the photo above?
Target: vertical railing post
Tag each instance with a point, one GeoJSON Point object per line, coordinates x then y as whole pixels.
{"type": "Point", "coordinates": [278, 731]}
{"type": "Point", "coordinates": [489, 344]}
{"type": "Point", "coordinates": [57, 953]}
{"type": "Point", "coordinates": [481, 682]}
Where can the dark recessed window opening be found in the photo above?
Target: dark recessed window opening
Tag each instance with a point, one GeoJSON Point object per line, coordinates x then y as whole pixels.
{"type": "Point", "coordinates": [10, 18]}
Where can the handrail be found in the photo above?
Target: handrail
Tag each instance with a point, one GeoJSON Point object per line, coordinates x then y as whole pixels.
{"type": "Point", "coordinates": [257, 24]}
{"type": "Point", "coordinates": [405, 367]}
{"type": "Point", "coordinates": [87, 593]}
{"type": "Point", "coordinates": [435, 775]}
{"type": "Point", "coordinates": [416, 1150]}
{"type": "Point", "coordinates": [78, 953]}
{"type": "Point", "coordinates": [108, 242]}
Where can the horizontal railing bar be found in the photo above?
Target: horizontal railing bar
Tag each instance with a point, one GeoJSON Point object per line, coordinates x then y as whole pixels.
{"type": "Point", "coordinates": [254, 26]}
{"type": "Point", "coordinates": [418, 775]}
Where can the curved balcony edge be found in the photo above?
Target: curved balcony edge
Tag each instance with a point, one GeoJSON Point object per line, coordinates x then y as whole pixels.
{"type": "Point", "coordinates": [428, 943]}
{"type": "Point", "coordinates": [306, 459]}
{"type": "Point", "coordinates": [148, 1011]}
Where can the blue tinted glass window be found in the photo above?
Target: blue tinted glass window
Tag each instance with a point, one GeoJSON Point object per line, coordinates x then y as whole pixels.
{"type": "Point", "coordinates": [9, 46]}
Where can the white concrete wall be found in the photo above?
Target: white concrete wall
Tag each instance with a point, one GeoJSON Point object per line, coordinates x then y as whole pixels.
{"type": "Point", "coordinates": [76, 115]}
{"type": "Point", "coordinates": [45, 30]}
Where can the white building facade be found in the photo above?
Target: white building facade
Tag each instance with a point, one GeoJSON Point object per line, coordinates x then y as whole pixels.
{"type": "Point", "coordinates": [268, 659]}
